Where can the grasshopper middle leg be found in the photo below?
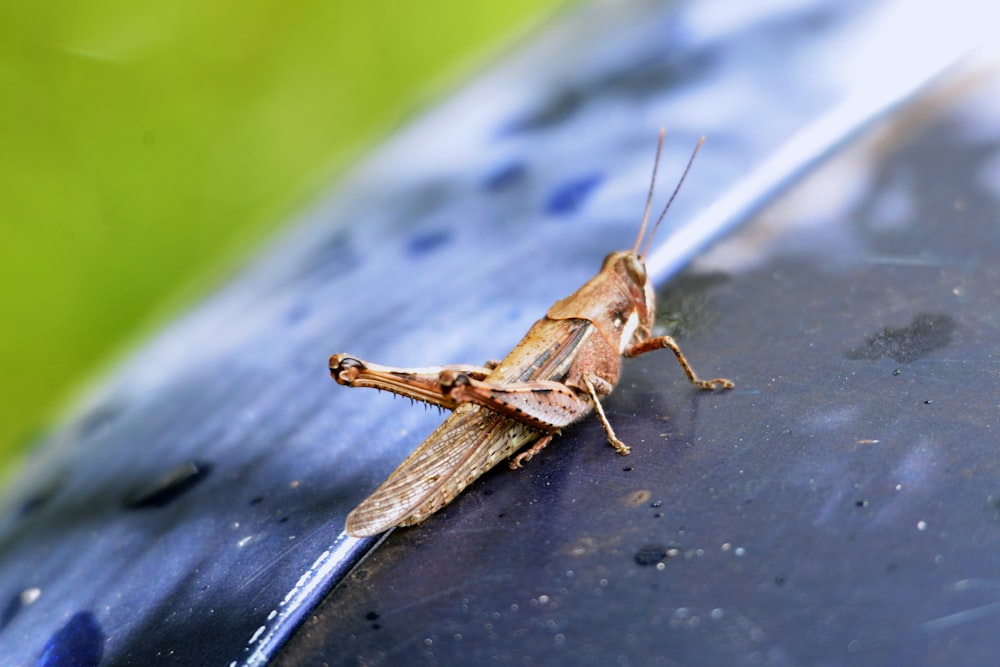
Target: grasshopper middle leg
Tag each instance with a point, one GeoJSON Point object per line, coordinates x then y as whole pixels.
{"type": "Point", "coordinates": [545, 405]}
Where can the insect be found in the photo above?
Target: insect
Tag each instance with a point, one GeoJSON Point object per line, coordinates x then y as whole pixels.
{"type": "Point", "coordinates": [567, 362]}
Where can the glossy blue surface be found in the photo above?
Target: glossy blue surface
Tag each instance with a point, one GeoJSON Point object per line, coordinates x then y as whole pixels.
{"type": "Point", "coordinates": [188, 512]}
{"type": "Point", "coordinates": [838, 507]}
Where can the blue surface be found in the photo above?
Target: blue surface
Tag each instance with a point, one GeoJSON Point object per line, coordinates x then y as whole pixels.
{"type": "Point", "coordinates": [188, 511]}
{"type": "Point", "coordinates": [838, 507]}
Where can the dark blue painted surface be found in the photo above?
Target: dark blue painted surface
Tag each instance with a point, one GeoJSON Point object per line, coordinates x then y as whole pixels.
{"type": "Point", "coordinates": [838, 507]}
{"type": "Point", "coordinates": [189, 510]}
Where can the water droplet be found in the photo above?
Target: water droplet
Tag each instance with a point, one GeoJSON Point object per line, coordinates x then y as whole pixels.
{"type": "Point", "coordinates": [171, 486]}
{"type": "Point", "coordinates": [79, 643]}
{"type": "Point", "coordinates": [651, 554]}
{"type": "Point", "coordinates": [570, 196]}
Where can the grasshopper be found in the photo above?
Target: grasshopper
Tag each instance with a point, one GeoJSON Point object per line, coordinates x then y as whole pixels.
{"type": "Point", "coordinates": [567, 362]}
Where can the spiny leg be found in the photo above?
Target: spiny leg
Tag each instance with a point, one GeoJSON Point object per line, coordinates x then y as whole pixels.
{"type": "Point", "coordinates": [543, 404]}
{"type": "Point", "coordinates": [660, 342]}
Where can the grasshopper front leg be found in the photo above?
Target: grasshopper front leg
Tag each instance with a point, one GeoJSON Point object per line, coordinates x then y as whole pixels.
{"type": "Point", "coordinates": [660, 342]}
{"type": "Point", "coordinates": [421, 384]}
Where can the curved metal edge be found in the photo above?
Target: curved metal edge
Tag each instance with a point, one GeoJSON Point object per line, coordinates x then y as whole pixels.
{"type": "Point", "coordinates": [325, 573]}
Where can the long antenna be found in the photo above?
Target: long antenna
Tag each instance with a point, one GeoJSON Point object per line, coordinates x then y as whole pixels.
{"type": "Point", "coordinates": [652, 186]}
{"type": "Point", "coordinates": [677, 189]}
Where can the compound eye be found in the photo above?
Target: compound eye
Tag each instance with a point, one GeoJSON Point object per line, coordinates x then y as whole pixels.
{"type": "Point", "coordinates": [636, 269]}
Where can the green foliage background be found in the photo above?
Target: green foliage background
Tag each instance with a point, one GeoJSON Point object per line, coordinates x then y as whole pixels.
{"type": "Point", "coordinates": [144, 146]}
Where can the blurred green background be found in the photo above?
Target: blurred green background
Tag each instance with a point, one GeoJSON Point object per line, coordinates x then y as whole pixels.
{"type": "Point", "coordinates": [146, 146]}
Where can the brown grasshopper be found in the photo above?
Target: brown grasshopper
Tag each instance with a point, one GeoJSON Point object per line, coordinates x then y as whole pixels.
{"type": "Point", "coordinates": [567, 362]}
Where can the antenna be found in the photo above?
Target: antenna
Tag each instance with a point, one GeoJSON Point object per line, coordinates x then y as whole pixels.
{"type": "Point", "coordinates": [652, 186]}
{"type": "Point", "coordinates": [670, 201]}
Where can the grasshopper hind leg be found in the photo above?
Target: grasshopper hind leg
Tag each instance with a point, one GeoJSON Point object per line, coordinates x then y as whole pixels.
{"type": "Point", "coordinates": [419, 384]}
